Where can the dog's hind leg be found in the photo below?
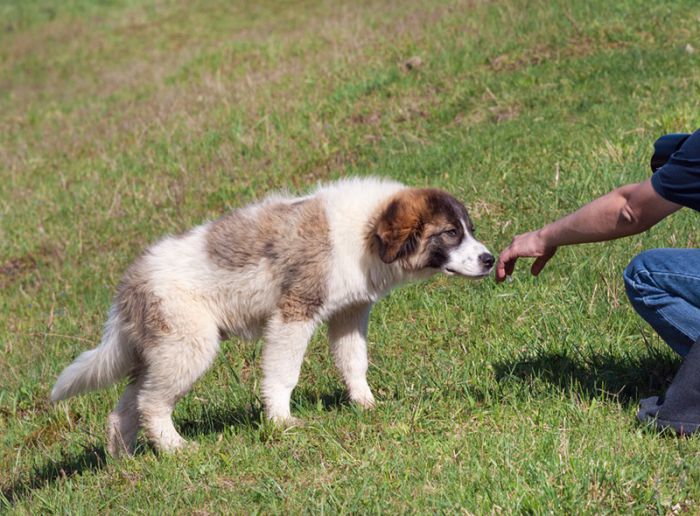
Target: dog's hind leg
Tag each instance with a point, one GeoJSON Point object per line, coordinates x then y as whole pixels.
{"type": "Point", "coordinates": [172, 367]}
{"type": "Point", "coordinates": [283, 354]}
{"type": "Point", "coordinates": [123, 423]}
{"type": "Point", "coordinates": [347, 333]}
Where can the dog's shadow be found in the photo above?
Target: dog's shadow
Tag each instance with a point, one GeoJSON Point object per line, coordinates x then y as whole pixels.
{"type": "Point", "coordinates": [209, 421]}
{"type": "Point", "coordinates": [624, 378]}
{"type": "Point", "coordinates": [92, 458]}
{"type": "Point", "coordinates": [218, 419]}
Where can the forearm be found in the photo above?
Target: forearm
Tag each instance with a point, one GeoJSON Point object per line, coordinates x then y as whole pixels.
{"type": "Point", "coordinates": [605, 218]}
{"type": "Point", "coordinates": [625, 211]}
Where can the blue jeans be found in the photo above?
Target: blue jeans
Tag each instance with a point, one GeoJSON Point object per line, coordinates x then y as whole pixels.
{"type": "Point", "coordinates": [663, 286]}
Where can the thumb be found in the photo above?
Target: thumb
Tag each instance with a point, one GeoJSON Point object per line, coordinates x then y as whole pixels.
{"type": "Point", "coordinates": [505, 265]}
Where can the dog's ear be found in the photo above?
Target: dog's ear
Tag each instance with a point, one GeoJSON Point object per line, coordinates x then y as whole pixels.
{"type": "Point", "coordinates": [397, 233]}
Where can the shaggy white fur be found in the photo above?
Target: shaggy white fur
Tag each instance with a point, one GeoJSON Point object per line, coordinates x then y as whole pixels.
{"type": "Point", "coordinates": [276, 268]}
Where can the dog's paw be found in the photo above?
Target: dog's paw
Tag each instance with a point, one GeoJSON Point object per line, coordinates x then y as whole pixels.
{"type": "Point", "coordinates": [188, 447]}
{"type": "Point", "coordinates": [117, 449]}
{"type": "Point", "coordinates": [119, 445]}
{"type": "Point", "coordinates": [287, 421]}
{"type": "Point", "coordinates": [182, 446]}
{"type": "Point", "coordinates": [364, 400]}
{"type": "Point", "coordinates": [292, 422]}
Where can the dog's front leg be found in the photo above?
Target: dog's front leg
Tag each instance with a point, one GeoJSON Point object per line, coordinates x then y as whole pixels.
{"type": "Point", "coordinates": [283, 353]}
{"type": "Point", "coordinates": [347, 332]}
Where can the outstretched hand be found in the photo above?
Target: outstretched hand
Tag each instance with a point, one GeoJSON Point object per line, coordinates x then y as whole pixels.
{"type": "Point", "coordinates": [525, 245]}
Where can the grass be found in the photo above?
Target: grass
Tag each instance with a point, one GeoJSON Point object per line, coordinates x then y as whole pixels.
{"type": "Point", "coordinates": [122, 121]}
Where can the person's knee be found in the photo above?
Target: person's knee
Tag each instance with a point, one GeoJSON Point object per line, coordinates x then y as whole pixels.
{"type": "Point", "coordinates": [637, 275]}
{"type": "Point", "coordinates": [652, 285]}
{"type": "Point", "coordinates": [631, 273]}
{"type": "Point", "coordinates": [644, 264]}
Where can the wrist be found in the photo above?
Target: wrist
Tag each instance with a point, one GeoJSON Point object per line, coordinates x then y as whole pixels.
{"type": "Point", "coordinates": [545, 237]}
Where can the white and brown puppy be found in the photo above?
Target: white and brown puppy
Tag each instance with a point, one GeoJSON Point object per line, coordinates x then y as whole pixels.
{"type": "Point", "coordinates": [276, 268]}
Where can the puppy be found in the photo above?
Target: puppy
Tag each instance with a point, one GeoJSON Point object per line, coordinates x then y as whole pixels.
{"type": "Point", "coordinates": [274, 269]}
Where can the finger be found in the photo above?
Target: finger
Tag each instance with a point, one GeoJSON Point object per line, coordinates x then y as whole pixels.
{"type": "Point", "coordinates": [539, 264]}
{"type": "Point", "coordinates": [510, 265]}
{"type": "Point", "coordinates": [505, 269]}
{"type": "Point", "coordinates": [500, 272]}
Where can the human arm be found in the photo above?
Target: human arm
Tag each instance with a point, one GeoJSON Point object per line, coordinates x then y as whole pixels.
{"type": "Point", "coordinates": [625, 211]}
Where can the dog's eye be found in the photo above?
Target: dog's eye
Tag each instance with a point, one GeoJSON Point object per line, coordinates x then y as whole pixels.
{"type": "Point", "coordinates": [451, 232]}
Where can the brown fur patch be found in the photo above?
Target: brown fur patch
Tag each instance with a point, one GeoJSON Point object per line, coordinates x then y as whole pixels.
{"type": "Point", "coordinates": [293, 240]}
{"type": "Point", "coordinates": [241, 238]}
{"type": "Point", "coordinates": [404, 228]}
{"type": "Point", "coordinates": [139, 308]}
{"type": "Point", "coordinates": [397, 228]}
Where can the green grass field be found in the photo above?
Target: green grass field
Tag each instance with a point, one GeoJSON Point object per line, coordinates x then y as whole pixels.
{"type": "Point", "coordinates": [122, 121]}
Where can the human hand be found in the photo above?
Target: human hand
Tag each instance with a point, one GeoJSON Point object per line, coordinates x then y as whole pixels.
{"type": "Point", "coordinates": [526, 245]}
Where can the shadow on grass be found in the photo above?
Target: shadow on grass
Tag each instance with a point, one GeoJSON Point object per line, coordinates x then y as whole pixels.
{"type": "Point", "coordinates": [217, 419]}
{"type": "Point", "coordinates": [211, 420]}
{"type": "Point", "coordinates": [626, 378]}
{"type": "Point", "coordinates": [91, 459]}
{"type": "Point", "coordinates": [330, 401]}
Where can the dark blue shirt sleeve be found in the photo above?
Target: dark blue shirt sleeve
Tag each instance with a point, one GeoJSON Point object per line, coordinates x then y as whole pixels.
{"type": "Point", "coordinates": [679, 179]}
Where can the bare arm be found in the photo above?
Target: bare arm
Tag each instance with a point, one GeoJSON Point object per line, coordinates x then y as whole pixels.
{"type": "Point", "coordinates": [625, 211]}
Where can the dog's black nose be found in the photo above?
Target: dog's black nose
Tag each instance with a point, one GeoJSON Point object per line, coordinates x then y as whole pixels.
{"type": "Point", "coordinates": [487, 260]}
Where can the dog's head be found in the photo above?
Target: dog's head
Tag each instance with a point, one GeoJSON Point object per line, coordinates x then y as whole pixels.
{"type": "Point", "coordinates": [428, 229]}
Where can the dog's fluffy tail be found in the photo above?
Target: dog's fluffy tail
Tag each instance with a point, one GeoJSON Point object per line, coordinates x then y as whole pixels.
{"type": "Point", "coordinates": [98, 367]}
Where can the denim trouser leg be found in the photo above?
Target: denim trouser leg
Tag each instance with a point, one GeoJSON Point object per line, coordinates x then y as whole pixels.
{"type": "Point", "coordinates": [663, 286]}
